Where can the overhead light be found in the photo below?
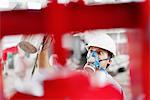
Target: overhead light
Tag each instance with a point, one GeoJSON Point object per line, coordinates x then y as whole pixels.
{"type": "Point", "coordinates": [99, 0]}
{"type": "Point", "coordinates": [34, 5]}
{"type": "Point", "coordinates": [63, 1]}
{"type": "Point", "coordinates": [4, 4]}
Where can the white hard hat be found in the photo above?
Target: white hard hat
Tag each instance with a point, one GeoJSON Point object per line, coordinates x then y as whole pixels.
{"type": "Point", "coordinates": [102, 41]}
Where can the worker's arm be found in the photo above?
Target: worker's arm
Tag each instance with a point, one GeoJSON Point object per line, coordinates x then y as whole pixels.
{"type": "Point", "coordinates": [43, 59]}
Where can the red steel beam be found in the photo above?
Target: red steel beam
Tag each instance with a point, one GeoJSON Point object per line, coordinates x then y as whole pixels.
{"type": "Point", "coordinates": [78, 17]}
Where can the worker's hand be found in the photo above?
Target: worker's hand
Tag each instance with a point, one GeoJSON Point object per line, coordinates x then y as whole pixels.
{"type": "Point", "coordinates": [47, 40]}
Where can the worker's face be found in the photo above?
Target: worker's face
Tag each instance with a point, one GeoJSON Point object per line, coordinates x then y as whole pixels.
{"type": "Point", "coordinates": [103, 54]}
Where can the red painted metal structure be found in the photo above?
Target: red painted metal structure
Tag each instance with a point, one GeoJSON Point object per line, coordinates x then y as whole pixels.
{"type": "Point", "coordinates": [76, 17]}
{"type": "Point", "coordinates": [70, 88]}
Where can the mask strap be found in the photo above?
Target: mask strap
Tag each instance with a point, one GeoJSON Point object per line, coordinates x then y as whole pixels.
{"type": "Point", "coordinates": [104, 59]}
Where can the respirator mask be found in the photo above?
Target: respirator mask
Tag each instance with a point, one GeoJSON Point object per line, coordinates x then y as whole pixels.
{"type": "Point", "coordinates": [93, 61]}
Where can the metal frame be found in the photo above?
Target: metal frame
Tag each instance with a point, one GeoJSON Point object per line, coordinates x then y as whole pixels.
{"type": "Point", "coordinates": [76, 17]}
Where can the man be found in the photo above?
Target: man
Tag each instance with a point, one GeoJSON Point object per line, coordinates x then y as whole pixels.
{"type": "Point", "coordinates": [101, 48]}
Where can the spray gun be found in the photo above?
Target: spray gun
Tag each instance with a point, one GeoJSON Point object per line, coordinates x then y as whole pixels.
{"type": "Point", "coordinates": [29, 48]}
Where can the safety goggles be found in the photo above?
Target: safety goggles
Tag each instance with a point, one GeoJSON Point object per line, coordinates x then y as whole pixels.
{"type": "Point", "coordinates": [98, 52]}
